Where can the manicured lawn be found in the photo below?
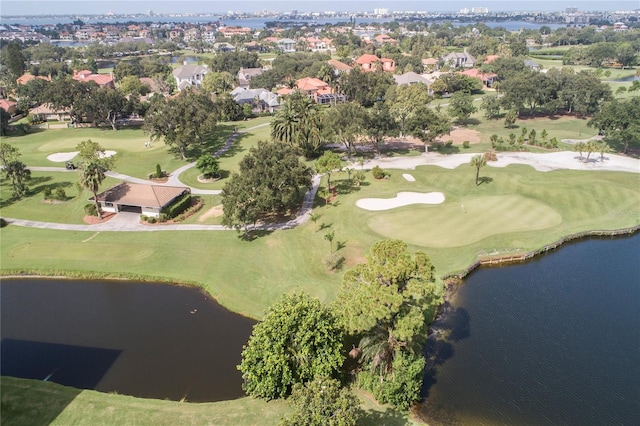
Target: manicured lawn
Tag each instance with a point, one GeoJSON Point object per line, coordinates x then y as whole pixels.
{"type": "Point", "coordinates": [560, 127]}
{"type": "Point", "coordinates": [33, 402]}
{"type": "Point", "coordinates": [474, 220]}
{"type": "Point", "coordinates": [35, 207]}
{"type": "Point", "coordinates": [230, 160]}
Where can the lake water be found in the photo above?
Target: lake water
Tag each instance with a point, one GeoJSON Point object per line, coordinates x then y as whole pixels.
{"type": "Point", "coordinates": [555, 341]}
{"type": "Point", "coordinates": [148, 340]}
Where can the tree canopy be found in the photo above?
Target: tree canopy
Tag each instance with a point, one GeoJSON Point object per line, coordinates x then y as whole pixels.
{"type": "Point", "coordinates": [299, 340]}
{"type": "Point", "coordinates": [387, 303]}
{"type": "Point", "coordinates": [184, 121]}
{"type": "Point", "coordinates": [323, 402]}
{"type": "Point", "coordinates": [269, 183]}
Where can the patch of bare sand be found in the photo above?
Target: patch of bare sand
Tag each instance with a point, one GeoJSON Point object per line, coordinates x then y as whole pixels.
{"type": "Point", "coordinates": [459, 135]}
{"type": "Point", "coordinates": [215, 211]}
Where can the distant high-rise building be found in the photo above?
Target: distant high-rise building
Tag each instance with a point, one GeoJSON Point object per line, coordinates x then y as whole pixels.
{"type": "Point", "coordinates": [479, 10]}
{"type": "Point", "coordinates": [464, 11]}
{"type": "Point", "coordinates": [381, 11]}
{"type": "Point", "coordinates": [571, 10]}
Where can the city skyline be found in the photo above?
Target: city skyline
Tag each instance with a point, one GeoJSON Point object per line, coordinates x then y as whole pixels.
{"type": "Point", "coordinates": [70, 7]}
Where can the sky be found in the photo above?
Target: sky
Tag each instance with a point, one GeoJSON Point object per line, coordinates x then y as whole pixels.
{"type": "Point", "coordinates": [84, 7]}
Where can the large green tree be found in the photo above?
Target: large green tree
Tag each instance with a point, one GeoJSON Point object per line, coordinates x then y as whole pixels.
{"type": "Point", "coordinates": [427, 124]}
{"type": "Point", "coordinates": [387, 303]}
{"type": "Point", "coordinates": [344, 123]}
{"type": "Point", "coordinates": [323, 402]}
{"type": "Point", "coordinates": [620, 122]}
{"type": "Point", "coordinates": [461, 106]}
{"type": "Point", "coordinates": [93, 166]}
{"type": "Point", "coordinates": [299, 340]}
{"type": "Point", "coordinates": [270, 183]}
{"type": "Point", "coordinates": [404, 100]}
{"type": "Point", "coordinates": [184, 121]}
{"type": "Point", "coordinates": [379, 125]}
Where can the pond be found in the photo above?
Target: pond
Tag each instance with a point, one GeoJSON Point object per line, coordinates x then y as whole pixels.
{"type": "Point", "coordinates": [144, 339]}
{"type": "Point", "coordinates": [555, 341]}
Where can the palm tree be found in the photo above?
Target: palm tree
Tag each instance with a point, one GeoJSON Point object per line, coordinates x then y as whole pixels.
{"type": "Point", "coordinates": [91, 174]}
{"type": "Point", "coordinates": [285, 124]}
{"type": "Point", "coordinates": [478, 161]}
{"type": "Point", "coordinates": [580, 147]}
{"type": "Point", "coordinates": [603, 147]}
{"type": "Point", "coordinates": [329, 236]}
{"type": "Point", "coordinates": [93, 168]}
{"type": "Point", "coordinates": [314, 218]}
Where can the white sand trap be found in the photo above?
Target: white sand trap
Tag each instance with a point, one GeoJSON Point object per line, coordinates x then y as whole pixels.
{"type": "Point", "coordinates": [402, 199]}
{"type": "Point", "coordinates": [408, 177]}
{"type": "Point", "coordinates": [61, 157]}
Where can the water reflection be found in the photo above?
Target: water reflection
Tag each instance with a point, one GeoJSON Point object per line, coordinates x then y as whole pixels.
{"type": "Point", "coordinates": [147, 340]}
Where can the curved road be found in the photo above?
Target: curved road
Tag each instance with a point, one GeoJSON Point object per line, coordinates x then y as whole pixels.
{"type": "Point", "coordinates": [127, 222]}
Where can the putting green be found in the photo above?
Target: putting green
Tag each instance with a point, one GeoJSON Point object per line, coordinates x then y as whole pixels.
{"type": "Point", "coordinates": [455, 225]}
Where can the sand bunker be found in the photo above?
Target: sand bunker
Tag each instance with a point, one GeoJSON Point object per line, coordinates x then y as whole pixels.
{"type": "Point", "coordinates": [408, 177]}
{"type": "Point", "coordinates": [402, 199]}
{"type": "Point", "coordinates": [61, 157]}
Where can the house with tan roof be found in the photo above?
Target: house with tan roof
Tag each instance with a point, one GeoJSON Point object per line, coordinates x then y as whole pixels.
{"type": "Point", "coordinates": [383, 39]}
{"type": "Point", "coordinates": [148, 200]}
{"type": "Point", "coordinates": [430, 64]}
{"type": "Point", "coordinates": [102, 80]}
{"type": "Point", "coordinates": [340, 67]}
{"type": "Point", "coordinates": [369, 62]}
{"type": "Point", "coordinates": [27, 77]}
{"type": "Point", "coordinates": [487, 78]}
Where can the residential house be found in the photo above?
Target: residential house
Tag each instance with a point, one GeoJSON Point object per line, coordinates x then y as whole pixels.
{"type": "Point", "coordinates": [246, 74]}
{"type": "Point", "coordinates": [261, 100]}
{"type": "Point", "coordinates": [339, 67]}
{"type": "Point", "coordinates": [286, 45]}
{"type": "Point", "coordinates": [459, 60]}
{"type": "Point", "coordinates": [411, 77]}
{"type": "Point", "coordinates": [149, 200]}
{"type": "Point", "coordinates": [383, 39]}
{"type": "Point", "coordinates": [316, 89]}
{"type": "Point", "coordinates": [102, 80]}
{"type": "Point", "coordinates": [487, 78]}
{"type": "Point", "coordinates": [223, 46]}
{"type": "Point", "coordinates": [372, 63]}
{"type": "Point", "coordinates": [430, 64]}
{"type": "Point", "coordinates": [189, 75]}
{"type": "Point", "coordinates": [46, 113]}
{"type": "Point", "coordinates": [27, 77]}
{"type": "Point", "coordinates": [192, 34]}
{"type": "Point", "coordinates": [229, 32]}
{"type": "Point", "coordinates": [9, 106]}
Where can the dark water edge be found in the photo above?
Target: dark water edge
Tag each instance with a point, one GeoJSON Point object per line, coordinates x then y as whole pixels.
{"type": "Point", "coordinates": [142, 339]}
{"type": "Point", "coordinates": [553, 341]}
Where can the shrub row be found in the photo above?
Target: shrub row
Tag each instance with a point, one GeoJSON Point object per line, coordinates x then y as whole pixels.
{"type": "Point", "coordinates": [182, 204]}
